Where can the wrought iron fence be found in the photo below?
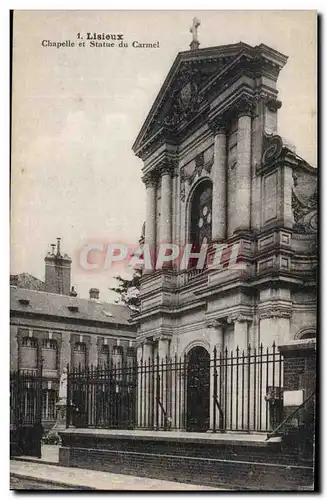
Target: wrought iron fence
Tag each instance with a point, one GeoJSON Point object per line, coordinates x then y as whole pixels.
{"type": "Point", "coordinates": [25, 397]}
{"type": "Point", "coordinates": [238, 390]}
{"type": "Point", "coordinates": [26, 412]}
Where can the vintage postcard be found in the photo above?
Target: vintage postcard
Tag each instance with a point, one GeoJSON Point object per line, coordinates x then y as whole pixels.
{"type": "Point", "coordinates": [163, 250]}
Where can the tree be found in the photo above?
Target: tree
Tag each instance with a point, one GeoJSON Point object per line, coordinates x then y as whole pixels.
{"type": "Point", "coordinates": [129, 290]}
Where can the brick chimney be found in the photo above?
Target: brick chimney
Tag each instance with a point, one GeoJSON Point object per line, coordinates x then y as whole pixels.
{"type": "Point", "coordinates": [94, 293]}
{"type": "Point", "coordinates": [57, 271]}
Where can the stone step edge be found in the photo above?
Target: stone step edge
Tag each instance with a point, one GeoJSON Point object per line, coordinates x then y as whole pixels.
{"type": "Point", "coordinates": [36, 461]}
{"type": "Point", "coordinates": [31, 477]}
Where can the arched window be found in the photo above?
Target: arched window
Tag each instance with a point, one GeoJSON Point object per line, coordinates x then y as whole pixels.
{"type": "Point", "coordinates": [49, 354]}
{"type": "Point", "coordinates": [307, 332]}
{"type": "Point", "coordinates": [201, 217]}
{"type": "Point", "coordinates": [80, 355]}
{"type": "Point", "coordinates": [28, 358]}
{"type": "Point", "coordinates": [308, 335]}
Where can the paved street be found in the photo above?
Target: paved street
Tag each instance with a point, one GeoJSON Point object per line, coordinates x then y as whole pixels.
{"type": "Point", "coordinates": [20, 483]}
{"type": "Point", "coordinates": [34, 473]}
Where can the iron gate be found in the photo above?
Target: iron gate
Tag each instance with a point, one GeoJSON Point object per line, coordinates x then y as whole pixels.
{"type": "Point", "coordinates": [25, 413]}
{"type": "Point", "coordinates": [198, 390]}
{"type": "Point", "coordinates": [238, 390]}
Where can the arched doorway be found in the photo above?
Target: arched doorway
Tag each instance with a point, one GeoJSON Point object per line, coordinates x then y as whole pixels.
{"type": "Point", "coordinates": [198, 390]}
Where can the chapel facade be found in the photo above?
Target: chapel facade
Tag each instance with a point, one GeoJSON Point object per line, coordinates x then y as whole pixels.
{"type": "Point", "coordinates": [217, 172]}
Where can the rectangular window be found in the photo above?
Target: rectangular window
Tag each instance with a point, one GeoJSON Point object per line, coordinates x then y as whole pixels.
{"type": "Point", "coordinates": [28, 356]}
{"type": "Point", "coordinates": [80, 355]}
{"type": "Point", "coordinates": [104, 355]}
{"type": "Point", "coordinates": [49, 354]}
{"type": "Point", "coordinates": [49, 399]}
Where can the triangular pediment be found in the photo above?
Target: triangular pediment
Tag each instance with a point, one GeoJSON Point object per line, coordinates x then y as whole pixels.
{"type": "Point", "coordinates": [181, 94]}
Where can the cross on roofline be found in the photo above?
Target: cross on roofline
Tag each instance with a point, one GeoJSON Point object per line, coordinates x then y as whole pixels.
{"type": "Point", "coordinates": [194, 45]}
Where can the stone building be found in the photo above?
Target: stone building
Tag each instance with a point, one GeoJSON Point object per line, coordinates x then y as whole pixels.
{"type": "Point", "coordinates": [61, 328]}
{"type": "Point", "coordinates": [217, 172]}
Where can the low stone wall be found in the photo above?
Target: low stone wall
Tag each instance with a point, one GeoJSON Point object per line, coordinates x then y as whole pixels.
{"type": "Point", "coordinates": [300, 379]}
{"type": "Point", "coordinates": [231, 463]}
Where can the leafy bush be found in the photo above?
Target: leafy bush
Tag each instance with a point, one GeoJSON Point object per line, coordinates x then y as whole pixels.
{"type": "Point", "coordinates": [51, 438]}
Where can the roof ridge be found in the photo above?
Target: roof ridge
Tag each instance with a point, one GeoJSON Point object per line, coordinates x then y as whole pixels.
{"type": "Point", "coordinates": [100, 302]}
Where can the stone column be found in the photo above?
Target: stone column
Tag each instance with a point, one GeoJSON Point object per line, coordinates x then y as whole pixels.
{"type": "Point", "coordinates": [150, 182]}
{"type": "Point", "coordinates": [219, 201]}
{"type": "Point", "coordinates": [145, 393]}
{"type": "Point", "coordinates": [216, 337]}
{"type": "Point", "coordinates": [139, 356]}
{"type": "Point", "coordinates": [163, 383]}
{"type": "Point", "coordinates": [166, 172]}
{"type": "Point", "coordinates": [243, 170]}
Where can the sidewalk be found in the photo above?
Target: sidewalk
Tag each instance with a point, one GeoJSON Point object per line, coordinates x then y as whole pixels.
{"type": "Point", "coordinates": [50, 455]}
{"type": "Point", "coordinates": [97, 480]}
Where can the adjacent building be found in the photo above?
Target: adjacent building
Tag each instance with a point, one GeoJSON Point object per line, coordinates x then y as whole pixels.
{"type": "Point", "coordinates": [56, 328]}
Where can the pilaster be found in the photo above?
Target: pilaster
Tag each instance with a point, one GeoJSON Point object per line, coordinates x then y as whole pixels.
{"type": "Point", "coordinates": [215, 331]}
{"type": "Point", "coordinates": [241, 330]}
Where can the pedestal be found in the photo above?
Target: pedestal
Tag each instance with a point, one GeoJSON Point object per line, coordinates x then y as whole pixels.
{"type": "Point", "coordinates": [60, 424]}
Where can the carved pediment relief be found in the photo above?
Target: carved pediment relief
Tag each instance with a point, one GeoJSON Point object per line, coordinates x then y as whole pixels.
{"type": "Point", "coordinates": [182, 95]}
{"type": "Point", "coordinates": [202, 164]}
{"type": "Point", "coordinates": [185, 96]}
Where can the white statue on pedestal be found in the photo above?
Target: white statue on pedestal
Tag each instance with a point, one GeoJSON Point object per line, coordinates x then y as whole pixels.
{"type": "Point", "coordinates": [60, 423]}
{"type": "Point", "coordinates": [63, 387]}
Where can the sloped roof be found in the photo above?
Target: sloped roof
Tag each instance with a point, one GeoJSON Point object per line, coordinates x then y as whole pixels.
{"type": "Point", "coordinates": [26, 280]}
{"type": "Point", "coordinates": [52, 304]}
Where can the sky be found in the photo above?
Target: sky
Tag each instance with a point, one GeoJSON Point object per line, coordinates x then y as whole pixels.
{"type": "Point", "coordinates": [77, 111]}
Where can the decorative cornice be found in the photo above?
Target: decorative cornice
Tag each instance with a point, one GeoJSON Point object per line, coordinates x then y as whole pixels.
{"type": "Point", "coordinates": [218, 125]}
{"type": "Point", "coordinates": [214, 323]}
{"type": "Point", "coordinates": [143, 341]}
{"type": "Point", "coordinates": [244, 106]}
{"type": "Point", "coordinates": [150, 179]}
{"type": "Point", "coordinates": [167, 167]}
{"type": "Point", "coordinates": [241, 318]}
{"type": "Point", "coordinates": [275, 313]}
{"type": "Point", "coordinates": [162, 337]}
